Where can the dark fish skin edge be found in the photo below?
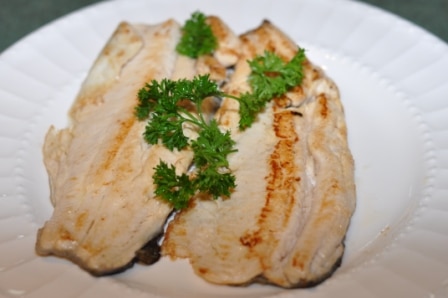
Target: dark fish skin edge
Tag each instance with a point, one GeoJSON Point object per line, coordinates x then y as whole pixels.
{"type": "Point", "coordinates": [147, 255]}
{"type": "Point", "coordinates": [152, 249]}
{"type": "Point", "coordinates": [112, 272]}
{"type": "Point", "coordinates": [300, 285]}
{"type": "Point", "coordinates": [303, 283]}
{"type": "Point", "coordinates": [150, 252]}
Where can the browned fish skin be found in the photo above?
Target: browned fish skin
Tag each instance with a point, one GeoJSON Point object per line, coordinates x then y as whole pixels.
{"type": "Point", "coordinates": [288, 227]}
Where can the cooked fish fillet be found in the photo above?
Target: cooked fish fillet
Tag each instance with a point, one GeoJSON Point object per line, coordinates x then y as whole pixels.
{"type": "Point", "coordinates": [286, 221]}
{"type": "Point", "coordinates": [100, 168]}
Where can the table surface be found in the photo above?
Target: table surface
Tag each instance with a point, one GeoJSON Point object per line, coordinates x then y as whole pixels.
{"type": "Point", "coordinates": [21, 17]}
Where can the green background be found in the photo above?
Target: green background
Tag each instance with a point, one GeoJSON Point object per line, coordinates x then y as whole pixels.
{"type": "Point", "coordinates": [20, 17]}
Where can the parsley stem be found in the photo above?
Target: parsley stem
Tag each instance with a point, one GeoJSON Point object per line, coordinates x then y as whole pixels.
{"type": "Point", "coordinates": [194, 120]}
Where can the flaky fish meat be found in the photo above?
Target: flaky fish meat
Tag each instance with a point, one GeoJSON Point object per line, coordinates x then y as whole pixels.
{"type": "Point", "coordinates": [100, 169]}
{"type": "Point", "coordinates": [106, 215]}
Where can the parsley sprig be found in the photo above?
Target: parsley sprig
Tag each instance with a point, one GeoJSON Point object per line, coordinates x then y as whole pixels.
{"type": "Point", "coordinates": [270, 77]}
{"type": "Point", "coordinates": [163, 105]}
{"type": "Point", "coordinates": [197, 37]}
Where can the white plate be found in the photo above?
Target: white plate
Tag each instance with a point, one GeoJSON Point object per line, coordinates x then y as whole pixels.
{"type": "Point", "coordinates": [393, 81]}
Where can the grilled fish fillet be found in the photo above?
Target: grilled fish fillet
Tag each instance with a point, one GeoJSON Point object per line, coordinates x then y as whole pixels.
{"type": "Point", "coordinates": [286, 221]}
{"type": "Point", "coordinates": [100, 168]}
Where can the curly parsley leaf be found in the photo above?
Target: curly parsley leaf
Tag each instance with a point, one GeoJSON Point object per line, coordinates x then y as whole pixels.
{"type": "Point", "coordinates": [168, 129]}
{"type": "Point", "coordinates": [163, 104]}
{"type": "Point", "coordinates": [212, 147]}
{"type": "Point", "coordinates": [197, 37]}
{"type": "Point", "coordinates": [160, 102]}
{"type": "Point", "coordinates": [176, 189]}
{"type": "Point", "coordinates": [270, 77]}
{"type": "Point", "coordinates": [250, 107]}
{"type": "Point", "coordinates": [215, 183]}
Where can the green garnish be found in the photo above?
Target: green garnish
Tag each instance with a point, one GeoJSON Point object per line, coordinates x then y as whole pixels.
{"type": "Point", "coordinates": [197, 37]}
{"type": "Point", "coordinates": [163, 104]}
{"type": "Point", "coordinates": [176, 189]}
{"type": "Point", "coordinates": [270, 77]}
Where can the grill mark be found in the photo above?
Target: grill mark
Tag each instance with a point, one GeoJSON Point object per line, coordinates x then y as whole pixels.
{"type": "Point", "coordinates": [117, 143]}
{"type": "Point", "coordinates": [81, 220]}
{"type": "Point", "coordinates": [251, 239]}
{"type": "Point", "coordinates": [281, 182]}
{"type": "Point", "coordinates": [322, 101]}
{"type": "Point", "coordinates": [65, 235]}
{"type": "Point", "coordinates": [282, 175]}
